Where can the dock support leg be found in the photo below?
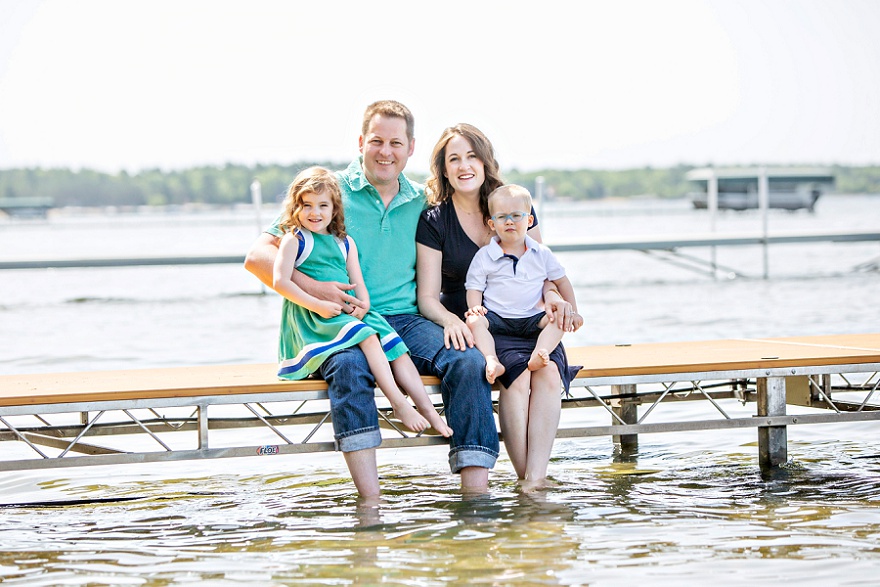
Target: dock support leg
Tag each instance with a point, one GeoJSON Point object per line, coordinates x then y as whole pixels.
{"type": "Point", "coordinates": [628, 411]}
{"type": "Point", "coordinates": [203, 426]}
{"type": "Point", "coordinates": [772, 440]}
{"type": "Point", "coordinates": [822, 382]}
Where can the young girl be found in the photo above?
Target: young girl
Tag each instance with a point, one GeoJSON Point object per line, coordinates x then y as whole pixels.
{"type": "Point", "coordinates": [312, 329]}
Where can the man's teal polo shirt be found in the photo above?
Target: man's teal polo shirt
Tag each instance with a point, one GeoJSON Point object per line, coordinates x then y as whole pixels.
{"type": "Point", "coordinates": [385, 238]}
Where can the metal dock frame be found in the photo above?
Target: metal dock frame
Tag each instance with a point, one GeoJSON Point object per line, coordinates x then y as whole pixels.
{"type": "Point", "coordinates": [771, 390]}
{"type": "Point", "coordinates": [143, 430]}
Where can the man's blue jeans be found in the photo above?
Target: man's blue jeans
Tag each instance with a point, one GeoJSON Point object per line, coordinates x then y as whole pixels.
{"type": "Point", "coordinates": [464, 389]}
{"type": "Point", "coordinates": [351, 388]}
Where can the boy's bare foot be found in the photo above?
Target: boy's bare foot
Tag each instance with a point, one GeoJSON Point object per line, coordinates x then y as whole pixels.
{"type": "Point", "coordinates": [410, 417]}
{"type": "Point", "coordinates": [540, 358]}
{"type": "Point", "coordinates": [494, 368]}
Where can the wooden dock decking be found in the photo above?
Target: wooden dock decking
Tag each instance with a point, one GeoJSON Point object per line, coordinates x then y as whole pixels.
{"type": "Point", "coordinates": [53, 415]}
{"type": "Point", "coordinates": [622, 361]}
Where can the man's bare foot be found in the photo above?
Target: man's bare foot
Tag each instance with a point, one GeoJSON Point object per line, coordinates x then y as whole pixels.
{"type": "Point", "coordinates": [494, 368]}
{"type": "Point", "coordinates": [410, 417]}
{"type": "Point", "coordinates": [540, 358]}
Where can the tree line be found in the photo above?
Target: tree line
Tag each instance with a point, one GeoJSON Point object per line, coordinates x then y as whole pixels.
{"type": "Point", "coordinates": [230, 184]}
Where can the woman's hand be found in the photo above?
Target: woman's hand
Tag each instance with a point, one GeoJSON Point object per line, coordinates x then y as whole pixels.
{"type": "Point", "coordinates": [457, 335]}
{"type": "Point", "coordinates": [561, 312]}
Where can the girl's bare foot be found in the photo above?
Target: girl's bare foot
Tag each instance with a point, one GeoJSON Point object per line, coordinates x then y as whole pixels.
{"type": "Point", "coordinates": [533, 485]}
{"type": "Point", "coordinates": [409, 416]}
{"type": "Point", "coordinates": [494, 368]}
{"type": "Point", "coordinates": [439, 424]}
{"type": "Point", "coordinates": [540, 358]}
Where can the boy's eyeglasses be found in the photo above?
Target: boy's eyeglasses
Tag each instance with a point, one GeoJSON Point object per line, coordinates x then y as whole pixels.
{"type": "Point", "coordinates": [515, 216]}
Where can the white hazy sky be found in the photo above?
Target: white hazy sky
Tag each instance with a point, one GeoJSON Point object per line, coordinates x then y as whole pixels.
{"type": "Point", "coordinates": [135, 84]}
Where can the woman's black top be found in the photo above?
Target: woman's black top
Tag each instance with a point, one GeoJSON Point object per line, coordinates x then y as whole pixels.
{"type": "Point", "coordinates": [440, 230]}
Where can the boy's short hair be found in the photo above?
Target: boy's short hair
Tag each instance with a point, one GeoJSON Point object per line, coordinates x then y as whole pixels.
{"type": "Point", "coordinates": [512, 191]}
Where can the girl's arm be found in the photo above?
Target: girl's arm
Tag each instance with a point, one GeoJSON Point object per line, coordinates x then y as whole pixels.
{"type": "Point", "coordinates": [260, 261]}
{"type": "Point", "coordinates": [356, 277]}
{"type": "Point", "coordinates": [284, 285]}
{"type": "Point", "coordinates": [428, 278]}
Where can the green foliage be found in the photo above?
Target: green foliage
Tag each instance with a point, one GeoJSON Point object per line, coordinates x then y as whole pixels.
{"type": "Point", "coordinates": [593, 183]}
{"type": "Point", "coordinates": [225, 185]}
{"type": "Point", "coordinates": [857, 180]}
{"type": "Point", "coordinates": [230, 184]}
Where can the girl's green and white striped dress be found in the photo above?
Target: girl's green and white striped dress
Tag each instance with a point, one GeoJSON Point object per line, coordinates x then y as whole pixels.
{"type": "Point", "coordinates": [307, 339]}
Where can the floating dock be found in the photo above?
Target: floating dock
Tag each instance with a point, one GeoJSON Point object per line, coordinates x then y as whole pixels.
{"type": "Point", "coordinates": [740, 188]}
{"type": "Point", "coordinates": [28, 207]}
{"type": "Point", "coordinates": [219, 411]}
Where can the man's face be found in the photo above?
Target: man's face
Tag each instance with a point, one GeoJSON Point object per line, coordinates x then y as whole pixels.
{"type": "Point", "coordinates": [386, 149]}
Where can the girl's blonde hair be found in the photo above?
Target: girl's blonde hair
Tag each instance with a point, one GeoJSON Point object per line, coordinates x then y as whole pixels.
{"type": "Point", "coordinates": [314, 180]}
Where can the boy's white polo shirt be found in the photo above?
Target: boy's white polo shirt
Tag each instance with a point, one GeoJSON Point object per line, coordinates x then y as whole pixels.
{"type": "Point", "coordinates": [513, 294]}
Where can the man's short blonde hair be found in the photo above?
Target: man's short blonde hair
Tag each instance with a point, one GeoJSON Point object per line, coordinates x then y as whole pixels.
{"type": "Point", "coordinates": [389, 109]}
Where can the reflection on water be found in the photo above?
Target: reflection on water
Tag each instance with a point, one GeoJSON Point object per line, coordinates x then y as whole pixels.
{"type": "Point", "coordinates": [653, 516]}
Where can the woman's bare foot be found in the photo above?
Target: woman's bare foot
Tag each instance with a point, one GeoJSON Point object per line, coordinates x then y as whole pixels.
{"type": "Point", "coordinates": [494, 368]}
{"type": "Point", "coordinates": [540, 358]}
{"type": "Point", "coordinates": [407, 414]}
{"type": "Point", "coordinates": [439, 424]}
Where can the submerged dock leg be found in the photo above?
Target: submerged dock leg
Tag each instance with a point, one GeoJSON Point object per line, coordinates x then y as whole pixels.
{"type": "Point", "coordinates": [203, 426]}
{"type": "Point", "coordinates": [628, 411]}
{"type": "Point", "coordinates": [772, 440]}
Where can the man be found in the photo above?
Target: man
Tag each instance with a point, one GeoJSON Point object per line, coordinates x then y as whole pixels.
{"type": "Point", "coordinates": [382, 209]}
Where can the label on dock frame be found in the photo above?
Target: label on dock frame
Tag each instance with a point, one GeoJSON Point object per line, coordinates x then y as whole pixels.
{"type": "Point", "coordinates": [269, 449]}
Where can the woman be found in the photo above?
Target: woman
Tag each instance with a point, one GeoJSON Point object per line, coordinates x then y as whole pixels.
{"type": "Point", "coordinates": [463, 173]}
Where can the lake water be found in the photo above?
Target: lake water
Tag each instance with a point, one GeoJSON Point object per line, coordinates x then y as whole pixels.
{"type": "Point", "coordinates": [688, 508]}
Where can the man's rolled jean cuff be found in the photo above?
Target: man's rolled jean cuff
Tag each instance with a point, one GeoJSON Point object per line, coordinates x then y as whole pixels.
{"type": "Point", "coordinates": [359, 440]}
{"type": "Point", "coordinates": [471, 457]}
